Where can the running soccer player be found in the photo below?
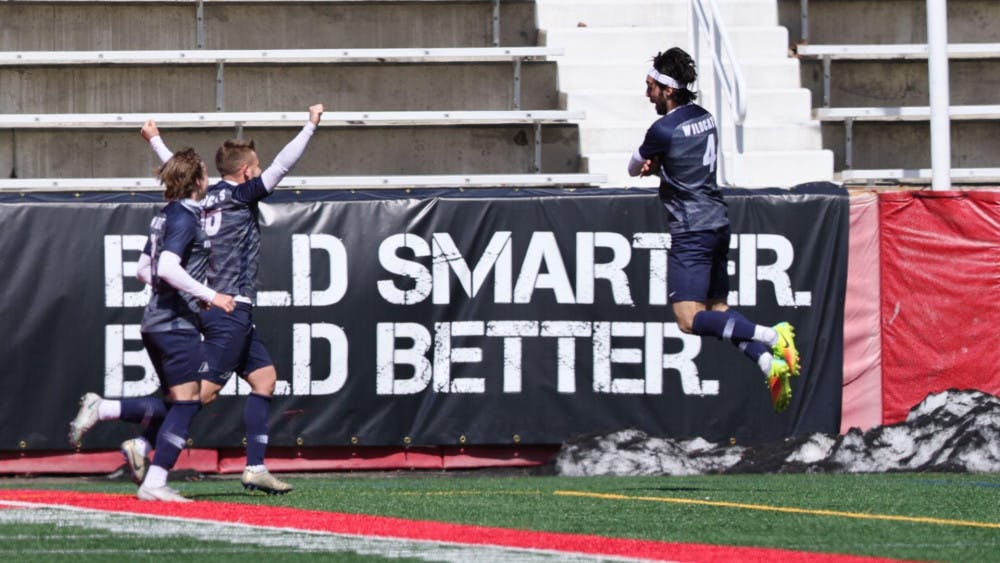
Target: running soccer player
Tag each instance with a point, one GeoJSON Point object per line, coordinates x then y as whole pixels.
{"type": "Point", "coordinates": [175, 258]}
{"type": "Point", "coordinates": [681, 148]}
{"type": "Point", "coordinates": [231, 341]}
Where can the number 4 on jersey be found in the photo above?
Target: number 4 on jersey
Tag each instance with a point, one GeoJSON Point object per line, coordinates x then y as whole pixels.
{"type": "Point", "coordinates": [709, 158]}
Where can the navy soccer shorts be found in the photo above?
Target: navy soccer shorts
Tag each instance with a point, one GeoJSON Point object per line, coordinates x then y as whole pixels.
{"type": "Point", "coordinates": [232, 344]}
{"type": "Point", "coordinates": [177, 356]}
{"type": "Point", "coordinates": [697, 266]}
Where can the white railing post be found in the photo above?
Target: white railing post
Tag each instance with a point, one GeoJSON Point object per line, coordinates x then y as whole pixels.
{"type": "Point", "coordinates": [729, 82]}
{"type": "Point", "coordinates": [937, 71]}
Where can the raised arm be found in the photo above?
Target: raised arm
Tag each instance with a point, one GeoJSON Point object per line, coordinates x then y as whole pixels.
{"type": "Point", "coordinates": [289, 155]}
{"type": "Point", "coordinates": [151, 133]}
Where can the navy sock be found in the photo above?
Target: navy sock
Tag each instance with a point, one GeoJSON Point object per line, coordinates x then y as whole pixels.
{"type": "Point", "coordinates": [142, 410]}
{"type": "Point", "coordinates": [255, 414]}
{"type": "Point", "coordinates": [150, 430]}
{"type": "Point", "coordinates": [742, 329]}
{"type": "Point", "coordinates": [732, 327]}
{"type": "Point", "coordinates": [753, 349]}
{"type": "Point", "coordinates": [147, 411]}
{"type": "Point", "coordinates": [174, 432]}
{"type": "Point", "coordinates": [710, 323]}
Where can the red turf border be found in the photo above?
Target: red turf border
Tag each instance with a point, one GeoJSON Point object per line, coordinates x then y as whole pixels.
{"type": "Point", "coordinates": [399, 528]}
{"type": "Point", "coordinates": [290, 459]}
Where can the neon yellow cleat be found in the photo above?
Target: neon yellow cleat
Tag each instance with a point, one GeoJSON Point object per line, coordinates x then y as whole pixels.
{"type": "Point", "coordinates": [785, 347]}
{"type": "Point", "coordinates": [777, 383]}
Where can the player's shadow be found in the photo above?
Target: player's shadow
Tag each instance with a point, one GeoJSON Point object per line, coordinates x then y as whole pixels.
{"type": "Point", "coordinates": [217, 496]}
{"type": "Point", "coordinates": [672, 489]}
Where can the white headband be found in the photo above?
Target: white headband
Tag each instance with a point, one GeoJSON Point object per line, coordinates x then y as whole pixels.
{"type": "Point", "coordinates": [666, 80]}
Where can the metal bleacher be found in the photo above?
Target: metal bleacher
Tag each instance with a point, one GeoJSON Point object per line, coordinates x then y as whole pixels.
{"type": "Point", "coordinates": [510, 123]}
{"type": "Point", "coordinates": [872, 87]}
{"type": "Point", "coordinates": [850, 115]}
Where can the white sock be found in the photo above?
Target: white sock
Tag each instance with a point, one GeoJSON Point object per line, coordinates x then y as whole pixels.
{"type": "Point", "coordinates": [765, 334]}
{"type": "Point", "coordinates": [109, 410]}
{"type": "Point", "coordinates": [256, 468]}
{"type": "Point", "coordinates": [764, 361]}
{"type": "Point", "coordinates": [156, 477]}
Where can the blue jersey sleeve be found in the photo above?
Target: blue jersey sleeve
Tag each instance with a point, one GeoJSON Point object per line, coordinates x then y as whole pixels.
{"type": "Point", "coordinates": [181, 228]}
{"type": "Point", "coordinates": [656, 143]}
{"type": "Point", "coordinates": [250, 192]}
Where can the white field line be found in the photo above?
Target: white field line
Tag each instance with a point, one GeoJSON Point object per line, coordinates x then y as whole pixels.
{"type": "Point", "coordinates": [301, 541]}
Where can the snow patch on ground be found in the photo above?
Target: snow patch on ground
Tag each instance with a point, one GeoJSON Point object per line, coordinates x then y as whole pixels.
{"type": "Point", "coordinates": [955, 431]}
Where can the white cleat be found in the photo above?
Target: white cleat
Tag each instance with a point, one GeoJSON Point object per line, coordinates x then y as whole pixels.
{"type": "Point", "coordinates": [85, 419]}
{"type": "Point", "coordinates": [264, 481]}
{"type": "Point", "coordinates": [137, 463]}
{"type": "Point", "coordinates": [164, 493]}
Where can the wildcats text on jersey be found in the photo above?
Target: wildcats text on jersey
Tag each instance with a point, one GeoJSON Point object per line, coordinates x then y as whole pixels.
{"type": "Point", "coordinates": [699, 126]}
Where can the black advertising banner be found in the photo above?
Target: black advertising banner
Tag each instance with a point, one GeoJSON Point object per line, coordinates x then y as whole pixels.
{"type": "Point", "coordinates": [438, 317]}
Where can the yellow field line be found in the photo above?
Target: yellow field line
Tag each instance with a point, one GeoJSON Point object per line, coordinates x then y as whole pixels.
{"type": "Point", "coordinates": [723, 504]}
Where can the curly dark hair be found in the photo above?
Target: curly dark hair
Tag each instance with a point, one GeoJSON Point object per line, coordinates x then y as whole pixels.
{"type": "Point", "coordinates": [180, 175]}
{"type": "Point", "coordinates": [679, 65]}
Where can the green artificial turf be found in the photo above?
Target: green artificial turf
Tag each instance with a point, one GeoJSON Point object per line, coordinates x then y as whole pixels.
{"type": "Point", "coordinates": [535, 503]}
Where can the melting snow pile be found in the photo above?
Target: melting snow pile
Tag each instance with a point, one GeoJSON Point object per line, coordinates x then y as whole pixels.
{"type": "Point", "coordinates": [949, 431]}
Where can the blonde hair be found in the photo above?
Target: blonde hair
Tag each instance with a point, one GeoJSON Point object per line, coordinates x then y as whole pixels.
{"type": "Point", "coordinates": [181, 174]}
{"type": "Point", "coordinates": [232, 155]}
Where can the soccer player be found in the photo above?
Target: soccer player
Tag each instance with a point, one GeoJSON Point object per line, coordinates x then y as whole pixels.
{"type": "Point", "coordinates": [231, 341]}
{"type": "Point", "coordinates": [682, 148]}
{"type": "Point", "coordinates": [175, 258]}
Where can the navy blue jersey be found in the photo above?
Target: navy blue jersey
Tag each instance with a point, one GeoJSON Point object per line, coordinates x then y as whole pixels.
{"type": "Point", "coordinates": [231, 215]}
{"type": "Point", "coordinates": [177, 228]}
{"type": "Point", "coordinates": [685, 143]}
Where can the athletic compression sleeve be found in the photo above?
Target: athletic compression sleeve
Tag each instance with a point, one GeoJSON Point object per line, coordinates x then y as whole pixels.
{"type": "Point", "coordinates": [160, 148]}
{"type": "Point", "coordinates": [635, 164]}
{"type": "Point", "coordinates": [171, 271]}
{"type": "Point", "coordinates": [287, 158]}
{"type": "Point", "coordinates": [144, 270]}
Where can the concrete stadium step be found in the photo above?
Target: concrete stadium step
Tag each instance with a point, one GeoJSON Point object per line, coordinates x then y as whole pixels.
{"type": "Point", "coordinates": [641, 43]}
{"type": "Point", "coordinates": [790, 105]}
{"type": "Point", "coordinates": [494, 149]}
{"type": "Point", "coordinates": [906, 144]}
{"type": "Point", "coordinates": [782, 169]}
{"type": "Point", "coordinates": [757, 136]}
{"type": "Point", "coordinates": [887, 74]}
{"type": "Point", "coordinates": [614, 165]}
{"type": "Point", "coordinates": [758, 169]}
{"type": "Point", "coordinates": [879, 21]}
{"type": "Point", "coordinates": [606, 13]}
{"type": "Point", "coordinates": [95, 25]}
{"type": "Point", "coordinates": [579, 74]}
{"type": "Point", "coordinates": [901, 82]}
{"type": "Point", "coordinates": [261, 87]}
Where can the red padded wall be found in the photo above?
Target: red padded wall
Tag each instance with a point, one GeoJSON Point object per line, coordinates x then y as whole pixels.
{"type": "Point", "coordinates": [940, 295]}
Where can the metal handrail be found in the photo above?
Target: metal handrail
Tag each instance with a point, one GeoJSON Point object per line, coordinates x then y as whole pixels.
{"type": "Point", "coordinates": [729, 80]}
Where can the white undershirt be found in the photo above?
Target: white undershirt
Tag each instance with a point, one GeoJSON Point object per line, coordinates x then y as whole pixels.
{"type": "Point", "coordinates": [286, 159]}
{"type": "Point", "coordinates": [282, 164]}
{"type": "Point", "coordinates": [144, 269]}
{"type": "Point", "coordinates": [172, 272]}
{"type": "Point", "coordinates": [635, 163]}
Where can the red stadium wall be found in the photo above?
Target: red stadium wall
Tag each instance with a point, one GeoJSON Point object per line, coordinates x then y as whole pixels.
{"type": "Point", "coordinates": [940, 278]}
{"type": "Point", "coordinates": [920, 312]}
